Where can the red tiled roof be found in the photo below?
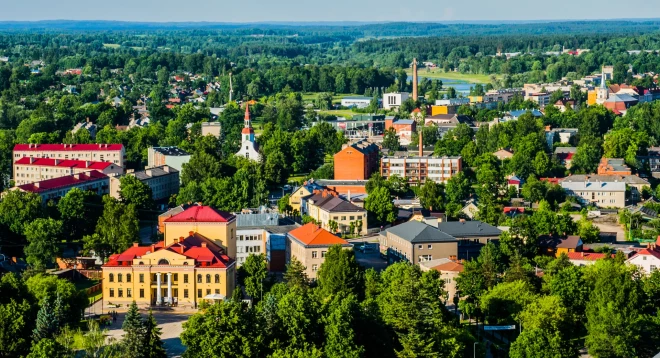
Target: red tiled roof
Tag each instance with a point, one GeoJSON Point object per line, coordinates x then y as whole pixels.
{"type": "Point", "coordinates": [131, 253]}
{"type": "Point", "coordinates": [68, 147]}
{"type": "Point", "coordinates": [201, 214]}
{"type": "Point", "coordinates": [650, 252]}
{"type": "Point", "coordinates": [551, 180]}
{"type": "Point", "coordinates": [310, 234]}
{"type": "Point", "coordinates": [586, 256]}
{"type": "Point", "coordinates": [67, 163]}
{"type": "Point", "coordinates": [449, 266]}
{"type": "Point", "coordinates": [511, 209]}
{"type": "Point", "coordinates": [63, 182]}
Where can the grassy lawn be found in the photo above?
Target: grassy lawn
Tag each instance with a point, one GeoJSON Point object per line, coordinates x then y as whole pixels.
{"type": "Point", "coordinates": [312, 96]}
{"type": "Point", "coordinates": [439, 73]}
{"type": "Point", "coordinates": [112, 45]}
{"type": "Point", "coordinates": [340, 113]}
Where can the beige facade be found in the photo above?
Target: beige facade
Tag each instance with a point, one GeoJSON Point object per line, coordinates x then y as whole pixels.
{"type": "Point", "coordinates": [309, 244]}
{"type": "Point", "coordinates": [168, 276]}
{"type": "Point", "coordinates": [297, 196]}
{"type": "Point", "coordinates": [324, 208]}
{"type": "Point", "coordinates": [212, 128]}
{"type": "Point", "coordinates": [163, 182]}
{"type": "Point", "coordinates": [418, 252]}
{"type": "Point", "coordinates": [600, 194]}
{"type": "Point", "coordinates": [113, 153]}
{"type": "Point", "coordinates": [222, 233]}
{"type": "Point", "coordinates": [420, 168]}
{"type": "Point", "coordinates": [36, 169]}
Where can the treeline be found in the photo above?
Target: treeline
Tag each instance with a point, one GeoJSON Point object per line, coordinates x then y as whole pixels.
{"type": "Point", "coordinates": [347, 312]}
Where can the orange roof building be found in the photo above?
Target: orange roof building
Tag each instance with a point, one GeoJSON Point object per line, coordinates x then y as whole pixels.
{"type": "Point", "coordinates": [309, 245]}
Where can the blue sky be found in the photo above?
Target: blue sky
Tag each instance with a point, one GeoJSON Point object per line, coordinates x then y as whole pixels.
{"type": "Point", "coordinates": [315, 10]}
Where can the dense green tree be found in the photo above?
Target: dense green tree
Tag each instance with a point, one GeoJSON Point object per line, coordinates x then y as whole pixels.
{"type": "Point", "coordinates": [133, 191]}
{"type": "Point", "coordinates": [431, 195]}
{"type": "Point", "coordinates": [339, 331]}
{"type": "Point", "coordinates": [18, 209]}
{"type": "Point", "coordinates": [295, 275]}
{"type": "Point", "coordinates": [48, 323]}
{"type": "Point", "coordinates": [153, 346]}
{"type": "Point", "coordinates": [116, 229]}
{"type": "Point", "coordinates": [254, 273]}
{"type": "Point", "coordinates": [80, 212]}
{"type": "Point", "coordinates": [48, 348]}
{"type": "Point", "coordinates": [43, 236]}
{"type": "Point", "coordinates": [379, 204]}
{"type": "Point", "coordinates": [73, 302]}
{"type": "Point", "coordinates": [134, 336]}
{"type": "Point", "coordinates": [391, 141]}
{"type": "Point", "coordinates": [339, 273]}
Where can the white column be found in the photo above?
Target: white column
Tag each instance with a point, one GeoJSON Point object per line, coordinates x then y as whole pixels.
{"type": "Point", "coordinates": [169, 287]}
{"type": "Point", "coordinates": [158, 295]}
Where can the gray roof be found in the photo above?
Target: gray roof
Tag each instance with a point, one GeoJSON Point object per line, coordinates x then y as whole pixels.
{"type": "Point", "coordinates": [415, 231]}
{"type": "Point", "coordinates": [176, 151]}
{"type": "Point", "coordinates": [154, 172]}
{"type": "Point", "coordinates": [332, 203]}
{"type": "Point", "coordinates": [560, 150]}
{"type": "Point", "coordinates": [267, 219]}
{"type": "Point", "coordinates": [468, 228]}
{"type": "Point", "coordinates": [628, 179]}
{"type": "Point", "coordinates": [594, 185]}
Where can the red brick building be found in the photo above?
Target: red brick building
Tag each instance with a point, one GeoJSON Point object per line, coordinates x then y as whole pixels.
{"type": "Point", "coordinates": [356, 161]}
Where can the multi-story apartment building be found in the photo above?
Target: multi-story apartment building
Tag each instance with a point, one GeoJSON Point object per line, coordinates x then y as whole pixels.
{"type": "Point", "coordinates": [418, 169]}
{"type": "Point", "coordinates": [262, 233]}
{"type": "Point", "coordinates": [163, 181]}
{"type": "Point", "coordinates": [417, 242]}
{"type": "Point", "coordinates": [324, 207]}
{"type": "Point", "coordinates": [30, 169]}
{"type": "Point", "coordinates": [356, 161]}
{"type": "Point", "coordinates": [309, 245]}
{"type": "Point", "coordinates": [56, 188]}
{"type": "Point", "coordinates": [172, 156]}
{"type": "Point", "coordinates": [113, 153]}
{"type": "Point", "coordinates": [634, 184]}
{"type": "Point", "coordinates": [194, 263]}
{"type": "Point", "coordinates": [601, 194]}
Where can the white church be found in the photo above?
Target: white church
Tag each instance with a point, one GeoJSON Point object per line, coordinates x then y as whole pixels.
{"type": "Point", "coordinates": [249, 148]}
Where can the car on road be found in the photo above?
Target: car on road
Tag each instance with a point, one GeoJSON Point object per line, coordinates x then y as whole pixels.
{"type": "Point", "coordinates": [366, 247]}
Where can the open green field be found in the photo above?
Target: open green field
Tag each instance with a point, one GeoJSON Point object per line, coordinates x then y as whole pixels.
{"type": "Point", "coordinates": [457, 76]}
{"type": "Point", "coordinates": [347, 113]}
{"type": "Point", "coordinates": [311, 96]}
{"type": "Point", "coordinates": [112, 45]}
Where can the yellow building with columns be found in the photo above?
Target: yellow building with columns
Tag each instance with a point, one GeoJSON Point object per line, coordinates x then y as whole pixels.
{"type": "Point", "coordinates": [195, 262]}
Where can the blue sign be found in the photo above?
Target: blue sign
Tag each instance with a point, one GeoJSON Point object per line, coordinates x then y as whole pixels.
{"type": "Point", "coordinates": [499, 328]}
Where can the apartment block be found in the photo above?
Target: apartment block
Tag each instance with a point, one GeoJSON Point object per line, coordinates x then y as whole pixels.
{"type": "Point", "coordinates": [418, 169]}
{"type": "Point", "coordinates": [163, 181]}
{"type": "Point", "coordinates": [175, 157]}
{"type": "Point", "coordinates": [356, 161]}
{"type": "Point", "coordinates": [309, 245]}
{"type": "Point", "coordinates": [56, 188]}
{"type": "Point", "coordinates": [113, 153]}
{"type": "Point", "coordinates": [30, 169]}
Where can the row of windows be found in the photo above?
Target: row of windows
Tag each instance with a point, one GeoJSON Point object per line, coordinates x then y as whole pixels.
{"type": "Point", "coordinates": [429, 247]}
{"type": "Point", "coordinates": [164, 277]}
{"type": "Point", "coordinates": [343, 218]}
{"type": "Point", "coordinates": [129, 294]}
{"type": "Point", "coordinates": [249, 237]}
{"type": "Point", "coordinates": [248, 249]}
{"type": "Point", "coordinates": [315, 254]}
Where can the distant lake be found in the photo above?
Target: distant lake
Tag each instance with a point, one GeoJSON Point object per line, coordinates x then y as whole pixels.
{"type": "Point", "coordinates": [460, 86]}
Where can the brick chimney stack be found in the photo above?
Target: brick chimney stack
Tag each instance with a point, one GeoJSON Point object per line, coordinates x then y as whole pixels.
{"type": "Point", "coordinates": [414, 79]}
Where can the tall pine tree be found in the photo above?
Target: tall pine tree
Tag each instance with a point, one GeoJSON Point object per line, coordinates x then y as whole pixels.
{"type": "Point", "coordinates": [47, 321]}
{"type": "Point", "coordinates": [153, 344]}
{"type": "Point", "coordinates": [134, 336]}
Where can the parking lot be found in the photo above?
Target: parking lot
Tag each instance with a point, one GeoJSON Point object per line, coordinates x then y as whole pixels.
{"type": "Point", "coordinates": [369, 257]}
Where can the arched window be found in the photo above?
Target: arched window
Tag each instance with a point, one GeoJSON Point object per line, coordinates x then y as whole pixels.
{"type": "Point", "coordinates": [119, 278]}
{"type": "Point", "coordinates": [128, 277]}
{"type": "Point", "coordinates": [208, 278]}
{"type": "Point", "coordinates": [111, 277]}
{"type": "Point", "coordinates": [217, 278]}
{"type": "Point", "coordinates": [185, 264]}
{"type": "Point", "coordinates": [163, 262]}
{"type": "Point", "coordinates": [199, 278]}
{"type": "Point", "coordinates": [141, 263]}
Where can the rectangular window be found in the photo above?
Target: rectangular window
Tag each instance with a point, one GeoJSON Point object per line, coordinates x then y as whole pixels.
{"type": "Point", "coordinates": [128, 277]}
{"type": "Point", "coordinates": [351, 218]}
{"type": "Point", "coordinates": [176, 277]}
{"type": "Point", "coordinates": [185, 278]}
{"type": "Point", "coordinates": [142, 293]}
{"type": "Point", "coordinates": [315, 268]}
{"type": "Point", "coordinates": [199, 293]}
{"type": "Point", "coordinates": [185, 293]}
{"type": "Point", "coordinates": [129, 293]}
{"type": "Point", "coordinates": [217, 291]}
{"type": "Point", "coordinates": [141, 278]}
{"type": "Point", "coordinates": [314, 254]}
{"type": "Point", "coordinates": [208, 291]}
{"type": "Point", "coordinates": [430, 246]}
{"type": "Point", "coordinates": [420, 247]}
{"type": "Point", "coordinates": [112, 292]}
{"type": "Point", "coordinates": [343, 218]}
{"type": "Point", "coordinates": [120, 292]}
{"type": "Point", "coordinates": [119, 278]}
{"type": "Point", "coordinates": [653, 268]}
{"type": "Point", "coordinates": [323, 253]}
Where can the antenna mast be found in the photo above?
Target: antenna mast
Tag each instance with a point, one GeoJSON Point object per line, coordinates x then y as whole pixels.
{"type": "Point", "coordinates": [231, 88]}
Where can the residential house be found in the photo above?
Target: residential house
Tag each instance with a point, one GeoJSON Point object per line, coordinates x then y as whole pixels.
{"type": "Point", "coordinates": [30, 169]}
{"type": "Point", "coordinates": [613, 166]}
{"type": "Point", "coordinates": [305, 190]}
{"type": "Point", "coordinates": [114, 153]}
{"type": "Point", "coordinates": [325, 207]}
{"type": "Point", "coordinates": [163, 181]}
{"type": "Point", "coordinates": [56, 188]}
{"type": "Point", "coordinates": [564, 104]}
{"type": "Point", "coordinates": [503, 154]}
{"type": "Point", "coordinates": [309, 244]}
{"type": "Point", "coordinates": [89, 126]}
{"type": "Point", "coordinates": [449, 271]}
{"type": "Point", "coordinates": [417, 242]}
{"type": "Point", "coordinates": [470, 209]}
{"type": "Point", "coordinates": [404, 129]}
{"type": "Point", "coordinates": [558, 245]}
{"type": "Point", "coordinates": [586, 258]}
{"type": "Point", "coordinates": [651, 161]}
{"type": "Point", "coordinates": [356, 161]}
{"type": "Point", "coordinates": [559, 135]}
{"type": "Point", "coordinates": [648, 260]}
{"type": "Point", "coordinates": [565, 155]}
{"type": "Point", "coordinates": [446, 122]}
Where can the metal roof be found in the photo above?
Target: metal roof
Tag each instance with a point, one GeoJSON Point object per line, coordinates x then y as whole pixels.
{"type": "Point", "coordinates": [468, 228]}
{"type": "Point", "coordinates": [415, 232]}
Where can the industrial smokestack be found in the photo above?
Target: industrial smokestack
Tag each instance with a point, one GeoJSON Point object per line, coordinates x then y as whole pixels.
{"type": "Point", "coordinates": [414, 79]}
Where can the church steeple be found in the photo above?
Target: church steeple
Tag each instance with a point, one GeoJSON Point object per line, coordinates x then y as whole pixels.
{"type": "Point", "coordinates": [247, 132]}
{"type": "Point", "coordinates": [248, 123]}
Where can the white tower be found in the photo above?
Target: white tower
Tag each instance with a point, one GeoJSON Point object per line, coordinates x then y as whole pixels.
{"type": "Point", "coordinates": [249, 148]}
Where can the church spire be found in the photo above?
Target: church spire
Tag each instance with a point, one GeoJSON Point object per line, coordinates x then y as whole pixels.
{"type": "Point", "coordinates": [248, 123]}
